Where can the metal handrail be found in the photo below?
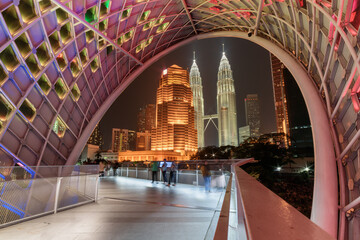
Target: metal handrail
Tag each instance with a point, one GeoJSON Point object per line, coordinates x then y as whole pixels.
{"type": "Point", "coordinates": [26, 198]}
{"type": "Point", "coordinates": [261, 214]}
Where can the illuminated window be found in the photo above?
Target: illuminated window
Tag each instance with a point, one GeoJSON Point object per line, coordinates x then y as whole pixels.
{"type": "Point", "coordinates": [28, 110]}
{"type": "Point", "coordinates": [144, 16]}
{"type": "Point", "coordinates": [103, 25]}
{"type": "Point", "coordinates": [104, 8]}
{"type": "Point", "coordinates": [44, 84]}
{"type": "Point", "coordinates": [120, 40]}
{"type": "Point", "coordinates": [159, 20]}
{"type": "Point", "coordinates": [128, 35]}
{"type": "Point", "coordinates": [149, 24]}
{"type": "Point", "coordinates": [9, 59]}
{"type": "Point", "coordinates": [89, 35]}
{"type": "Point", "coordinates": [76, 92]}
{"type": "Point", "coordinates": [94, 65]}
{"type": "Point", "coordinates": [126, 13]}
{"type": "Point", "coordinates": [74, 67]}
{"type": "Point", "coordinates": [59, 127]}
{"type": "Point", "coordinates": [162, 27]}
{"type": "Point", "coordinates": [109, 49]}
{"type": "Point", "coordinates": [140, 46]}
{"type": "Point", "coordinates": [60, 88]}
{"type": "Point", "coordinates": [91, 15]}
{"type": "Point", "coordinates": [27, 10]}
{"type": "Point", "coordinates": [148, 41]}
{"type": "Point", "coordinates": [5, 108]}
{"type": "Point", "coordinates": [42, 53]}
{"type": "Point", "coordinates": [3, 75]}
{"type": "Point", "coordinates": [61, 60]}
{"type": "Point", "coordinates": [84, 56]}
{"type": "Point", "coordinates": [61, 16]}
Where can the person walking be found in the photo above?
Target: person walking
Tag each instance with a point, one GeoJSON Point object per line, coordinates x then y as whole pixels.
{"type": "Point", "coordinates": [205, 170]}
{"type": "Point", "coordinates": [173, 170]}
{"type": "Point", "coordinates": [154, 170]}
{"type": "Point", "coordinates": [163, 170]}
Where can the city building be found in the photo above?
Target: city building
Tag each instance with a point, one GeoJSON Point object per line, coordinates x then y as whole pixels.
{"type": "Point", "coordinates": [226, 105]}
{"type": "Point", "coordinates": [89, 152]}
{"type": "Point", "coordinates": [244, 133]}
{"type": "Point", "coordinates": [150, 156]}
{"type": "Point", "coordinates": [143, 141]}
{"type": "Point", "coordinates": [197, 90]}
{"type": "Point", "coordinates": [110, 156]}
{"type": "Point", "coordinates": [123, 140]}
{"type": "Point", "coordinates": [252, 113]}
{"type": "Point", "coordinates": [146, 118]}
{"type": "Point", "coordinates": [175, 128]}
{"type": "Point", "coordinates": [281, 109]}
{"type": "Point", "coordinates": [96, 137]}
{"type": "Point", "coordinates": [299, 122]}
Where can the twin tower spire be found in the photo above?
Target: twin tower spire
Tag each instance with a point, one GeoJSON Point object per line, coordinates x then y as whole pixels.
{"type": "Point", "coordinates": [226, 103]}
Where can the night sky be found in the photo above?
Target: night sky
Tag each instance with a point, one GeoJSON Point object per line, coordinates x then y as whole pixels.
{"type": "Point", "coordinates": [249, 62]}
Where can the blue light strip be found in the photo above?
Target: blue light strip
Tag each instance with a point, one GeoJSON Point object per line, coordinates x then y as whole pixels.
{"type": "Point", "coordinates": [12, 209]}
{"type": "Point", "coordinates": [3, 189]}
{"type": "Point", "coordinates": [32, 172]}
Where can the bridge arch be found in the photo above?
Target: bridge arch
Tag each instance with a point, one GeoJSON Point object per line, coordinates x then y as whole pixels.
{"type": "Point", "coordinates": [325, 208]}
{"type": "Point", "coordinates": [61, 67]}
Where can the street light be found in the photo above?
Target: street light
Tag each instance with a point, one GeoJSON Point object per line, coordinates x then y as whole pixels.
{"type": "Point", "coordinates": [278, 169]}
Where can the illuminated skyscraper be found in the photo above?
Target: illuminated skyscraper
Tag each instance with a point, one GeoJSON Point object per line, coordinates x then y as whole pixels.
{"type": "Point", "coordinates": [196, 87]}
{"type": "Point", "coordinates": [123, 140]}
{"type": "Point", "coordinates": [96, 137]}
{"type": "Point", "coordinates": [252, 112]}
{"type": "Point", "coordinates": [282, 119]}
{"type": "Point", "coordinates": [226, 105]}
{"type": "Point", "coordinates": [175, 130]}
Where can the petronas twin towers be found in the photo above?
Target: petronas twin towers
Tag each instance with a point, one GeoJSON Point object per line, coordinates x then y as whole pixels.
{"type": "Point", "coordinates": [226, 104]}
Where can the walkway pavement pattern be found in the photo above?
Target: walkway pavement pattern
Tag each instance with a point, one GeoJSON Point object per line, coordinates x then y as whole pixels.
{"type": "Point", "coordinates": [130, 209]}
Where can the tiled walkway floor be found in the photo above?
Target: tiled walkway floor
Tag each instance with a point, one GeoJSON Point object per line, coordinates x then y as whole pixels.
{"type": "Point", "coordinates": [130, 209]}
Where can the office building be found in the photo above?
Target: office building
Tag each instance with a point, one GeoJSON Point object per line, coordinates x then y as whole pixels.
{"type": "Point", "coordinates": [252, 113]}
{"type": "Point", "coordinates": [123, 140]}
{"type": "Point", "coordinates": [146, 118]}
{"type": "Point", "coordinates": [197, 90]}
{"type": "Point", "coordinates": [175, 129]}
{"type": "Point", "coordinates": [280, 100]}
{"type": "Point", "coordinates": [226, 105]}
{"type": "Point", "coordinates": [244, 133]}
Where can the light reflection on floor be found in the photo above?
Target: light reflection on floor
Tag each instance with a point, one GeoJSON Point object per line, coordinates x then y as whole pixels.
{"type": "Point", "coordinates": [130, 209]}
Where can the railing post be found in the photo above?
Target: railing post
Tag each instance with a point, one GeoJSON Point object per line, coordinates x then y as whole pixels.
{"type": "Point", "coordinates": [197, 175]}
{"type": "Point", "coordinates": [121, 171]}
{"type": "Point", "coordinates": [136, 172]}
{"type": "Point", "coordinates": [58, 183]}
{"type": "Point", "coordinates": [96, 188]}
{"type": "Point", "coordinates": [127, 171]}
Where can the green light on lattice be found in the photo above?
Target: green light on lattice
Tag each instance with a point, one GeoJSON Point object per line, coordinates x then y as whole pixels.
{"type": "Point", "coordinates": [90, 15]}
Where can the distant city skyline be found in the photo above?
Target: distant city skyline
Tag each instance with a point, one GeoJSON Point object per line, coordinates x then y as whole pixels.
{"type": "Point", "coordinates": [251, 71]}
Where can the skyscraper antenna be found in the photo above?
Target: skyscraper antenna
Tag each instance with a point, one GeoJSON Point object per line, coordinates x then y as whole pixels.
{"type": "Point", "coordinates": [194, 55]}
{"type": "Point", "coordinates": [223, 49]}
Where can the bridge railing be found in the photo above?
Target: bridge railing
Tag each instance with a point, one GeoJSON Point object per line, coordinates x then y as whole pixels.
{"type": "Point", "coordinates": [28, 192]}
{"type": "Point", "coordinates": [252, 211]}
{"type": "Point", "coordinates": [188, 172]}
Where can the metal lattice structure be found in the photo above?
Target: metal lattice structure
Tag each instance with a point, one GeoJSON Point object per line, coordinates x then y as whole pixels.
{"type": "Point", "coordinates": [63, 63]}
